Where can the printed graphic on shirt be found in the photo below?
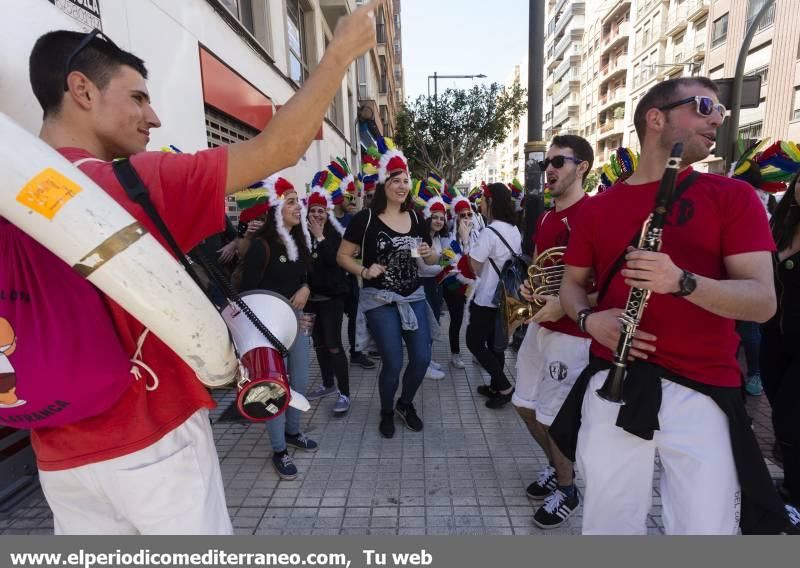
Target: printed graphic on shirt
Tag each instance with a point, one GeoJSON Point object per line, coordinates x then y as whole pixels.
{"type": "Point", "coordinates": [395, 254]}
{"type": "Point", "coordinates": [8, 378]}
{"type": "Point", "coordinates": [558, 371]}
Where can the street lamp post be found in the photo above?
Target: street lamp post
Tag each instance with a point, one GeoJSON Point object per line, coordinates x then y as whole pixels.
{"type": "Point", "coordinates": [732, 153]}
{"type": "Point", "coordinates": [436, 77]}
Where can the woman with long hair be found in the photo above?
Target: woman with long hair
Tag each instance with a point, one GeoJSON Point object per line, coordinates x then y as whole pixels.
{"type": "Point", "coordinates": [278, 260]}
{"type": "Point", "coordinates": [435, 226]}
{"type": "Point", "coordinates": [329, 287]}
{"type": "Point", "coordinates": [392, 301]}
{"type": "Point", "coordinates": [495, 246]}
{"type": "Point", "coordinates": [780, 355]}
{"type": "Point", "coordinates": [455, 285]}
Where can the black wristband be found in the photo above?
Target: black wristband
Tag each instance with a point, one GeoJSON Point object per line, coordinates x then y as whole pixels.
{"type": "Point", "coordinates": [581, 319]}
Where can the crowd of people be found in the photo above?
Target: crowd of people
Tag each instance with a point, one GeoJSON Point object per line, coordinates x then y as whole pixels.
{"type": "Point", "coordinates": [146, 463]}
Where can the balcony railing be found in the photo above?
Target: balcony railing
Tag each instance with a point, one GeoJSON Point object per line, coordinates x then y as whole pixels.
{"type": "Point", "coordinates": [767, 21]}
{"type": "Point", "coordinates": [752, 130]}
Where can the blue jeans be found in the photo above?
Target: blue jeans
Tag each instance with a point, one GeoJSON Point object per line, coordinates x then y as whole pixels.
{"type": "Point", "coordinates": [297, 364]}
{"type": "Point", "coordinates": [384, 325]}
{"type": "Point", "coordinates": [750, 333]}
{"type": "Point", "coordinates": [434, 294]}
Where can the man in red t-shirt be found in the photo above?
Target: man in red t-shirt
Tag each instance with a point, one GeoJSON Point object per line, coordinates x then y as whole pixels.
{"type": "Point", "coordinates": [714, 268]}
{"type": "Point", "coordinates": [148, 464]}
{"type": "Point", "coordinates": [554, 351]}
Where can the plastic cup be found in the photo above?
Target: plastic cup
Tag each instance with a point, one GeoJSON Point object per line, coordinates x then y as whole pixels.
{"type": "Point", "coordinates": [307, 323]}
{"type": "Point", "coordinates": [415, 247]}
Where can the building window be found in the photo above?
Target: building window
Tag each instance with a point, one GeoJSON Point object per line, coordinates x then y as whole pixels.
{"type": "Point", "coordinates": [796, 106]}
{"type": "Point", "coordinates": [719, 31]}
{"type": "Point", "coordinates": [383, 86]}
{"type": "Point", "coordinates": [298, 58]}
{"type": "Point", "coordinates": [384, 111]}
{"type": "Point", "coordinates": [361, 73]}
{"type": "Point", "coordinates": [380, 26]}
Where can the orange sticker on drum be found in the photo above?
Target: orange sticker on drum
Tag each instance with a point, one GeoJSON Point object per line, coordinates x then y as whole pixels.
{"type": "Point", "coordinates": [48, 192]}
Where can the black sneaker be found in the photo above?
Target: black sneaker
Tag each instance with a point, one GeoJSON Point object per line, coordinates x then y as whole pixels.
{"type": "Point", "coordinates": [556, 510]}
{"type": "Point", "coordinates": [499, 400]}
{"type": "Point", "coordinates": [544, 485]}
{"type": "Point", "coordinates": [387, 425]}
{"type": "Point", "coordinates": [362, 361]}
{"type": "Point", "coordinates": [408, 415]}
{"type": "Point", "coordinates": [284, 465]}
{"type": "Point", "coordinates": [486, 391]}
{"type": "Point", "coordinates": [794, 516]}
{"type": "Point", "coordinates": [374, 354]}
{"type": "Point", "coordinates": [301, 442]}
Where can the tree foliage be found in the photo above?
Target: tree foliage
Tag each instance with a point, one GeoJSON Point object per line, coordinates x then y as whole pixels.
{"type": "Point", "coordinates": [592, 181]}
{"type": "Point", "coordinates": [449, 134]}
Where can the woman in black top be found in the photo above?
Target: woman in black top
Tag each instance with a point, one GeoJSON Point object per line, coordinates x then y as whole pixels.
{"type": "Point", "coordinates": [278, 260]}
{"type": "Point", "coordinates": [329, 287]}
{"type": "Point", "coordinates": [392, 298]}
{"type": "Point", "coordinates": [780, 341]}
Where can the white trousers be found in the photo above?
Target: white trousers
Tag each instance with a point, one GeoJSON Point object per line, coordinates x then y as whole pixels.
{"type": "Point", "coordinates": [173, 486]}
{"type": "Point", "coordinates": [699, 486]}
{"type": "Point", "coordinates": [548, 363]}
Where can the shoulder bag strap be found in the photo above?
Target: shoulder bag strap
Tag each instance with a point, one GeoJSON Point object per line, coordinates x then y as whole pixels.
{"type": "Point", "coordinates": [505, 242]}
{"type": "Point", "coordinates": [682, 187]}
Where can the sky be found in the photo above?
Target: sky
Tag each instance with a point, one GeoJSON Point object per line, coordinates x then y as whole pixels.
{"type": "Point", "coordinates": [461, 37]}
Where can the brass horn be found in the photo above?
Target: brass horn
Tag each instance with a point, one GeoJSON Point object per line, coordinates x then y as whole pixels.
{"type": "Point", "coordinates": [544, 276]}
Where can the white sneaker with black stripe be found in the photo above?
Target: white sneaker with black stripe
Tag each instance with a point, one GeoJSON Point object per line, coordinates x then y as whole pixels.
{"type": "Point", "coordinates": [556, 510]}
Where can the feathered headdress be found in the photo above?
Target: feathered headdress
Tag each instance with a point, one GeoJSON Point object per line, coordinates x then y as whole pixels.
{"type": "Point", "coordinates": [474, 194]}
{"type": "Point", "coordinates": [276, 189]}
{"type": "Point", "coordinates": [517, 193]}
{"type": "Point", "coordinates": [427, 196]}
{"type": "Point", "coordinates": [325, 187]}
{"type": "Point", "coordinates": [769, 169]}
{"type": "Point", "coordinates": [370, 161]}
{"type": "Point", "coordinates": [619, 167]}
{"type": "Point", "coordinates": [347, 182]}
{"type": "Point", "coordinates": [391, 160]}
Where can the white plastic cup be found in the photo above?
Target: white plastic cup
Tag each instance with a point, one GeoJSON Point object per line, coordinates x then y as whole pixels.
{"type": "Point", "coordinates": [417, 241]}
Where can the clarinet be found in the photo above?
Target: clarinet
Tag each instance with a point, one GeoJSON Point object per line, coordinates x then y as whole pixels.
{"type": "Point", "coordinates": [650, 240]}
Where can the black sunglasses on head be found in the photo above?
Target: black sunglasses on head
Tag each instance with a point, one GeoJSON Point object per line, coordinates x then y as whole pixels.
{"type": "Point", "coordinates": [557, 162]}
{"type": "Point", "coordinates": [87, 39]}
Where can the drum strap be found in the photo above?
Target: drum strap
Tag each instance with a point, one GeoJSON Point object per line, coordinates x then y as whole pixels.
{"type": "Point", "coordinates": [138, 193]}
{"type": "Point", "coordinates": [129, 178]}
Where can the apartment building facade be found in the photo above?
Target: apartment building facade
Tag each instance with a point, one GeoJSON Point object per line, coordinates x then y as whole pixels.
{"type": "Point", "coordinates": [773, 55]}
{"type": "Point", "coordinates": [219, 69]}
{"type": "Point", "coordinates": [511, 153]}
{"type": "Point", "coordinates": [565, 22]}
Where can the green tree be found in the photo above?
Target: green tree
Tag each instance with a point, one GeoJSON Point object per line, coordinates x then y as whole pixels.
{"type": "Point", "coordinates": [592, 181]}
{"type": "Point", "coordinates": [449, 134]}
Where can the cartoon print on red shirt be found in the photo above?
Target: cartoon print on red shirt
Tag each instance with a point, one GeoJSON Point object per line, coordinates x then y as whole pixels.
{"type": "Point", "coordinates": [8, 378]}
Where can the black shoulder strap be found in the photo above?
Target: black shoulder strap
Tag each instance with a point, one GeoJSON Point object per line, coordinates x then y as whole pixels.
{"type": "Point", "coordinates": [136, 190]}
{"type": "Point", "coordinates": [129, 179]}
{"type": "Point", "coordinates": [505, 242]}
{"type": "Point", "coordinates": [682, 187]}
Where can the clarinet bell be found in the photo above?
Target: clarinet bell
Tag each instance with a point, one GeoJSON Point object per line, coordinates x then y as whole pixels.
{"type": "Point", "coordinates": [612, 388]}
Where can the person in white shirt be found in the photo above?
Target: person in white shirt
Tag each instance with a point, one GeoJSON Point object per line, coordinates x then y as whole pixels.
{"type": "Point", "coordinates": [488, 256]}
